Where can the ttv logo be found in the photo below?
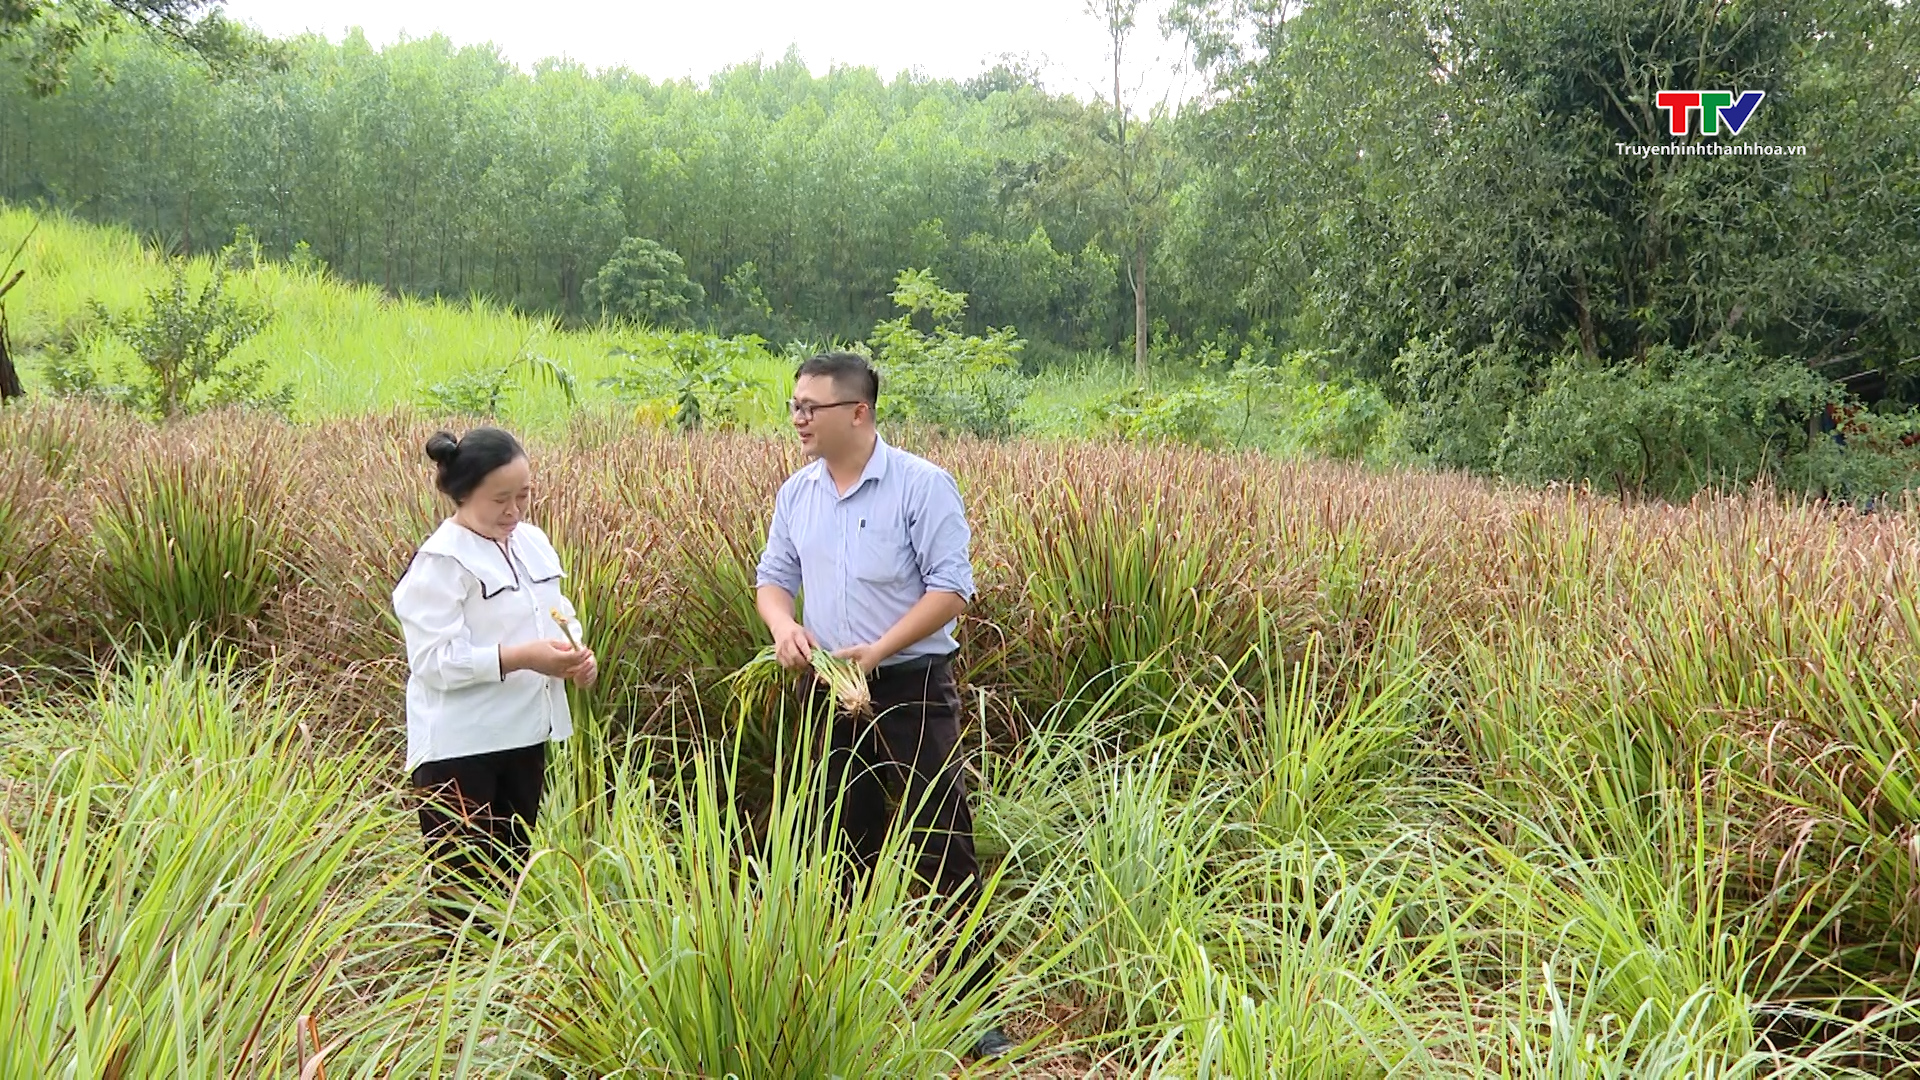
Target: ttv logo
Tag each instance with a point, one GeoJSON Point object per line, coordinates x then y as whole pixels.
{"type": "Point", "coordinates": [1716, 107]}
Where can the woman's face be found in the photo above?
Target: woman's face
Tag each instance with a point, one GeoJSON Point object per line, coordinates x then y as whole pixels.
{"type": "Point", "coordinates": [500, 502]}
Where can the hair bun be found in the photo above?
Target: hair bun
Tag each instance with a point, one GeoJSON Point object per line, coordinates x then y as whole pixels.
{"type": "Point", "coordinates": [442, 447]}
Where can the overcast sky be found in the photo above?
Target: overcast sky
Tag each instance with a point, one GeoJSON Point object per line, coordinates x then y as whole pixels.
{"type": "Point", "coordinates": [699, 37]}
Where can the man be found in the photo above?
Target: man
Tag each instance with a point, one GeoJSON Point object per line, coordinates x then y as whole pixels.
{"type": "Point", "coordinates": [876, 541]}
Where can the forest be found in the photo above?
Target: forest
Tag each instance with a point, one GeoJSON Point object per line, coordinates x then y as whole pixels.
{"type": "Point", "coordinates": [1443, 203]}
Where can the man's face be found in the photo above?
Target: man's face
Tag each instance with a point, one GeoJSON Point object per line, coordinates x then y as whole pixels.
{"type": "Point", "coordinates": [836, 416]}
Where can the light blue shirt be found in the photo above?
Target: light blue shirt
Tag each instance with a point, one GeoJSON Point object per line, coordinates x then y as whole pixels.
{"type": "Point", "coordinates": [859, 561]}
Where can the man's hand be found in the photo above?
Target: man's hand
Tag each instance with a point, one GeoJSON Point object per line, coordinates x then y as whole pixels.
{"type": "Point", "coordinates": [928, 614]}
{"type": "Point", "coordinates": [867, 656]}
{"type": "Point", "coordinates": [794, 646]}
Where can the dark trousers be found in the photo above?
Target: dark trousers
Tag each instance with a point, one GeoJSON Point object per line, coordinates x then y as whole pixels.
{"type": "Point", "coordinates": [904, 761]}
{"type": "Point", "coordinates": [476, 814]}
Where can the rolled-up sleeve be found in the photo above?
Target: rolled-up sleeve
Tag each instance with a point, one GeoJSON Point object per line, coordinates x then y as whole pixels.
{"type": "Point", "coordinates": [780, 561]}
{"type": "Point", "coordinates": [941, 538]}
{"type": "Point", "coordinates": [430, 604]}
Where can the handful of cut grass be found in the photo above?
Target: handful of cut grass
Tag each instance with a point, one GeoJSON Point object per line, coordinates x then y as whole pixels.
{"type": "Point", "coordinates": [566, 627]}
{"type": "Point", "coordinates": [758, 677]}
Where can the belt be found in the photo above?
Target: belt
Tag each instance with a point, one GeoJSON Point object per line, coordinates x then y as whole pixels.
{"type": "Point", "coordinates": [914, 668]}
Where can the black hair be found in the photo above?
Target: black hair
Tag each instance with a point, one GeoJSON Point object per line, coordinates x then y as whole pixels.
{"type": "Point", "coordinates": [466, 461]}
{"type": "Point", "coordinates": [850, 371]}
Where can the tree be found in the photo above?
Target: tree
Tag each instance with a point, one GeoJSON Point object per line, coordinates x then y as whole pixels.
{"type": "Point", "coordinates": [432, 169]}
{"type": "Point", "coordinates": [483, 393]}
{"type": "Point", "coordinates": [1458, 171]}
{"type": "Point", "coordinates": [1136, 172]}
{"type": "Point", "coordinates": [9, 277]}
{"type": "Point", "coordinates": [644, 282]}
{"type": "Point", "coordinates": [50, 32]}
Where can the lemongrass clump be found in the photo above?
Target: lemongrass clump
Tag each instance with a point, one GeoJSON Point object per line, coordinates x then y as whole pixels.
{"type": "Point", "coordinates": [845, 679]}
{"type": "Point", "coordinates": [760, 676]}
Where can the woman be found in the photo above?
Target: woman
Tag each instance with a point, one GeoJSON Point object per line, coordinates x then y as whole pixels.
{"type": "Point", "coordinates": [490, 661]}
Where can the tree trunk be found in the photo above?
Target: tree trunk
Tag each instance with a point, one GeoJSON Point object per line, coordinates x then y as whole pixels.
{"type": "Point", "coordinates": [1140, 314]}
{"type": "Point", "coordinates": [1589, 340]}
{"type": "Point", "coordinates": [9, 377]}
{"type": "Point", "coordinates": [1117, 37]}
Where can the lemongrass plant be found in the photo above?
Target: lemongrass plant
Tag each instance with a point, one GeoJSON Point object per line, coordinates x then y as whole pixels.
{"type": "Point", "coordinates": [759, 678]}
{"type": "Point", "coordinates": [28, 498]}
{"type": "Point", "coordinates": [169, 909]}
{"type": "Point", "coordinates": [682, 940]}
{"type": "Point", "coordinates": [192, 549]}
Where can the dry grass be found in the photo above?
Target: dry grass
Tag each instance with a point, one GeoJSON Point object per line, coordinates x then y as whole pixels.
{"type": "Point", "coordinates": [667, 529]}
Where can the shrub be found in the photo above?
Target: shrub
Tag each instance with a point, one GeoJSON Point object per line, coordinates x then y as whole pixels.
{"type": "Point", "coordinates": [706, 383]}
{"type": "Point", "coordinates": [1868, 457]}
{"type": "Point", "coordinates": [956, 382]}
{"type": "Point", "coordinates": [185, 344]}
{"type": "Point", "coordinates": [1682, 421]}
{"type": "Point", "coordinates": [482, 394]}
{"type": "Point", "coordinates": [1190, 415]}
{"type": "Point", "coordinates": [1458, 405]}
{"type": "Point", "coordinates": [1308, 410]}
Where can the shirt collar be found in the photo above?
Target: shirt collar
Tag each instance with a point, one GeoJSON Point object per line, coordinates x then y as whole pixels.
{"type": "Point", "coordinates": [876, 469]}
{"type": "Point", "coordinates": [481, 556]}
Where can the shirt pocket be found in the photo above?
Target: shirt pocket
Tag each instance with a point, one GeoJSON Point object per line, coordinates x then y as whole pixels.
{"type": "Point", "coordinates": [883, 554]}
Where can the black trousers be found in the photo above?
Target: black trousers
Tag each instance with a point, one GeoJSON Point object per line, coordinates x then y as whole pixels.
{"type": "Point", "coordinates": [904, 760]}
{"type": "Point", "coordinates": [476, 815]}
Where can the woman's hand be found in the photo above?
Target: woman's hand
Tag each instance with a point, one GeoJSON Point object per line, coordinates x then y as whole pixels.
{"type": "Point", "coordinates": [554, 659]}
{"type": "Point", "coordinates": [586, 671]}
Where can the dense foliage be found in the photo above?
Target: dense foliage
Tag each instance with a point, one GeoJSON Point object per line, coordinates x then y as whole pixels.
{"type": "Point", "coordinates": [1450, 199]}
{"type": "Point", "coordinates": [430, 169]}
{"type": "Point", "coordinates": [1453, 208]}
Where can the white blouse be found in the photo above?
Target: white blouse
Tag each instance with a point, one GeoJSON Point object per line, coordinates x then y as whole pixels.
{"type": "Point", "coordinates": [460, 600]}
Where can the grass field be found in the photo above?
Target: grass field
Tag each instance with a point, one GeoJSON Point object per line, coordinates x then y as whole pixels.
{"type": "Point", "coordinates": [346, 348]}
{"type": "Point", "coordinates": [1285, 769]}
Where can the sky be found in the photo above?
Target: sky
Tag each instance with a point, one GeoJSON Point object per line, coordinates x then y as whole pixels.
{"type": "Point", "coordinates": [695, 38]}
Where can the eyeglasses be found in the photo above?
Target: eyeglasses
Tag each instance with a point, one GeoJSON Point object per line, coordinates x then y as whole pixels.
{"type": "Point", "coordinates": [805, 411]}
